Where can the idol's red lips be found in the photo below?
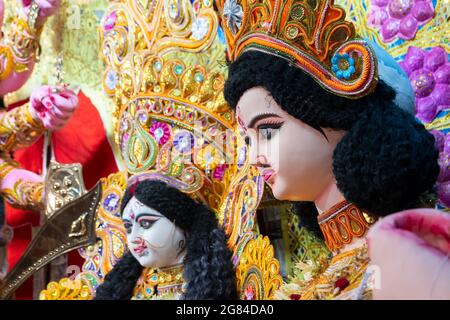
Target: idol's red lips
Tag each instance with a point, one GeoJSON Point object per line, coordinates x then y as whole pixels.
{"type": "Point", "coordinates": [268, 175]}
{"type": "Point", "coordinates": [139, 250]}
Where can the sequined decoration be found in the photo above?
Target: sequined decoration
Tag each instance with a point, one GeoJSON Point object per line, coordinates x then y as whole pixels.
{"type": "Point", "coordinates": [258, 271]}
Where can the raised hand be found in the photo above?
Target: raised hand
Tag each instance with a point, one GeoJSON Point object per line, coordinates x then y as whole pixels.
{"type": "Point", "coordinates": [411, 251]}
{"type": "Point", "coordinates": [21, 188]}
{"type": "Point", "coordinates": [53, 105]}
{"type": "Point", "coordinates": [47, 8]}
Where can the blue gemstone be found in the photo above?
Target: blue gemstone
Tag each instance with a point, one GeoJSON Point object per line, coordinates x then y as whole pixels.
{"type": "Point", "coordinates": [221, 36]}
{"type": "Point", "coordinates": [334, 60]}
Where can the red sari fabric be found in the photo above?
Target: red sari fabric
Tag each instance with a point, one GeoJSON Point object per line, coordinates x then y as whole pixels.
{"type": "Point", "coordinates": [82, 140]}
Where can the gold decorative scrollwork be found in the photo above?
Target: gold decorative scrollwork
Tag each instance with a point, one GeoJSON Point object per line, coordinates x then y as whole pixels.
{"type": "Point", "coordinates": [258, 272]}
{"type": "Point", "coordinates": [66, 289]}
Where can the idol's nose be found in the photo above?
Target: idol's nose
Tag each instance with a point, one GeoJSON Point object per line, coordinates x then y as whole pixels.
{"type": "Point", "coordinates": [138, 240]}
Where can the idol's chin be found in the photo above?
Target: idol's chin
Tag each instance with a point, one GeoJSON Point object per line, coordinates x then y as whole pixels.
{"type": "Point", "coordinates": [146, 261]}
{"type": "Point", "coordinates": [283, 194]}
{"type": "Point", "coordinates": [278, 192]}
{"type": "Point", "coordinates": [147, 264]}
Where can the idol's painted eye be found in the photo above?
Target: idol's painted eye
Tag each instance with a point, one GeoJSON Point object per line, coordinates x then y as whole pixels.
{"type": "Point", "coordinates": [268, 131]}
{"type": "Point", "coordinates": [128, 227]}
{"type": "Point", "coordinates": [147, 224]}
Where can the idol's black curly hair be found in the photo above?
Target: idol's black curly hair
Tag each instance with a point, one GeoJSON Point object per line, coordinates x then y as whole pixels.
{"type": "Point", "coordinates": [208, 268]}
{"type": "Point", "coordinates": [385, 161]}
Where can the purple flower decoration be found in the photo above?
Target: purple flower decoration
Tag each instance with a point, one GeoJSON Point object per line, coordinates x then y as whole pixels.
{"type": "Point", "coordinates": [399, 18]}
{"type": "Point", "coordinates": [161, 132]}
{"type": "Point", "coordinates": [440, 141]}
{"type": "Point", "coordinates": [110, 21]}
{"type": "Point", "coordinates": [183, 142]}
{"type": "Point", "coordinates": [429, 73]}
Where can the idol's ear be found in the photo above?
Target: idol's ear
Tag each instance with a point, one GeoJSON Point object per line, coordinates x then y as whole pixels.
{"type": "Point", "coordinates": [119, 283]}
{"type": "Point", "coordinates": [208, 268]}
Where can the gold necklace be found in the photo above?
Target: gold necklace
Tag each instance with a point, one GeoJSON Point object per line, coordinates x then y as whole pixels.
{"type": "Point", "coordinates": [343, 273]}
{"type": "Point", "coordinates": [342, 222]}
{"type": "Point", "coordinates": [160, 284]}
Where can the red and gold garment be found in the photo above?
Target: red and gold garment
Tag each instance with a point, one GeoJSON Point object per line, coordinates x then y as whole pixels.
{"type": "Point", "coordinates": [83, 140]}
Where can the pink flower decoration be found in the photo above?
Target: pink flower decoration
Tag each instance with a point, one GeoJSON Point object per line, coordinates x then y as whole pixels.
{"type": "Point", "coordinates": [219, 172]}
{"type": "Point", "coordinates": [429, 73]}
{"type": "Point", "coordinates": [399, 18]}
{"type": "Point", "coordinates": [161, 132]}
{"type": "Point", "coordinates": [110, 21]}
{"type": "Point", "coordinates": [249, 293]}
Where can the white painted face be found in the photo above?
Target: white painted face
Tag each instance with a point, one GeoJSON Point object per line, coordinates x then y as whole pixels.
{"type": "Point", "coordinates": [153, 239]}
{"type": "Point", "coordinates": [295, 159]}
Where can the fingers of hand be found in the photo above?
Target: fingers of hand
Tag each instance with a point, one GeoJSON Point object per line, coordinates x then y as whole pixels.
{"type": "Point", "coordinates": [67, 103]}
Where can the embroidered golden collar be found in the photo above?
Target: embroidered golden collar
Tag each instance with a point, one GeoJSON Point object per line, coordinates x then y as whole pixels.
{"type": "Point", "coordinates": [343, 222]}
{"type": "Point", "coordinates": [160, 284]}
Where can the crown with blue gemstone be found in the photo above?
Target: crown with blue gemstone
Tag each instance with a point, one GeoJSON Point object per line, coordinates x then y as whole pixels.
{"type": "Point", "coordinates": [311, 34]}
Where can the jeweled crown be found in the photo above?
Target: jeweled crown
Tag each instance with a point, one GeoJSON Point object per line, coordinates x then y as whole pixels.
{"type": "Point", "coordinates": [163, 71]}
{"type": "Point", "coordinates": [312, 34]}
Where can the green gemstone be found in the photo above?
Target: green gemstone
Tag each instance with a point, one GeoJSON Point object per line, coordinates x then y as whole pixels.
{"type": "Point", "coordinates": [198, 77]}
{"type": "Point", "coordinates": [178, 69]}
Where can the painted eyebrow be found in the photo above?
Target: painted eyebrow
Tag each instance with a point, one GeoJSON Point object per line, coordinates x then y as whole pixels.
{"type": "Point", "coordinates": [261, 117]}
{"type": "Point", "coordinates": [146, 215]}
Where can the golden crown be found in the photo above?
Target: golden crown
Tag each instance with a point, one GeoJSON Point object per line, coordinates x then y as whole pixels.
{"type": "Point", "coordinates": [313, 35]}
{"type": "Point", "coordinates": [163, 71]}
{"type": "Point", "coordinates": [172, 124]}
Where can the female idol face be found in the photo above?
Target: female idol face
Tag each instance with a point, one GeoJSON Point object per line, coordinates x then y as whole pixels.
{"type": "Point", "coordinates": [294, 158]}
{"type": "Point", "coordinates": [154, 240]}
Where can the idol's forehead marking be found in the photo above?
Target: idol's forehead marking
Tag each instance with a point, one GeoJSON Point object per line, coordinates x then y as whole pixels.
{"type": "Point", "coordinates": [136, 208]}
{"type": "Point", "coordinates": [133, 206]}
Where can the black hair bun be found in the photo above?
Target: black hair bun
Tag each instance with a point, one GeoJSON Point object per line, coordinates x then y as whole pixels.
{"type": "Point", "coordinates": [386, 161]}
